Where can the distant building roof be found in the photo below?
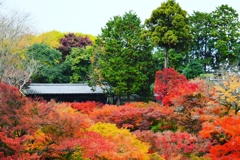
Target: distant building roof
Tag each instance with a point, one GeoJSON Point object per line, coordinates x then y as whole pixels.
{"type": "Point", "coordinates": [61, 88]}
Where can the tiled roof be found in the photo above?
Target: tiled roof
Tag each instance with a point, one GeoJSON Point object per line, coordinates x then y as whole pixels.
{"type": "Point", "coordinates": [60, 88]}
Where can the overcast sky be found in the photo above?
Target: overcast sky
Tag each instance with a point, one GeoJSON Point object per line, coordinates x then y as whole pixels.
{"type": "Point", "coordinates": [89, 16]}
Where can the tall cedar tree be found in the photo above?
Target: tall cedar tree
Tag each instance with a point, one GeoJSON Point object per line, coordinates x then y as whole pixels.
{"type": "Point", "coordinates": [70, 41]}
{"type": "Point", "coordinates": [125, 60]}
{"type": "Point", "coordinates": [169, 27]}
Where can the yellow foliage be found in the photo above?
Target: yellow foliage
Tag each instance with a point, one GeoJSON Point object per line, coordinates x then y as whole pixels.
{"type": "Point", "coordinates": [193, 157]}
{"type": "Point", "coordinates": [229, 92]}
{"type": "Point", "coordinates": [51, 38]}
{"type": "Point", "coordinates": [108, 130]}
{"type": "Point", "coordinates": [128, 145]}
{"type": "Point", "coordinates": [26, 41]}
{"type": "Point", "coordinates": [38, 141]}
{"type": "Point", "coordinates": [91, 37]}
{"type": "Point", "coordinates": [156, 156]}
{"type": "Point", "coordinates": [77, 155]}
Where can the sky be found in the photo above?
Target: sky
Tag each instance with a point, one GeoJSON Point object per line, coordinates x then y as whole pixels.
{"type": "Point", "coordinates": [89, 16]}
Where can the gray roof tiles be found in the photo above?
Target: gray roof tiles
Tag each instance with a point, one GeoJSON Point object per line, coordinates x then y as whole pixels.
{"type": "Point", "coordinates": [61, 88]}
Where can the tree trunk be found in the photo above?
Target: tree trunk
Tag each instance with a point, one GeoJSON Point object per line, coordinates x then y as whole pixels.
{"type": "Point", "coordinates": [128, 97]}
{"type": "Point", "coordinates": [166, 58]}
{"type": "Point", "coordinates": [118, 100]}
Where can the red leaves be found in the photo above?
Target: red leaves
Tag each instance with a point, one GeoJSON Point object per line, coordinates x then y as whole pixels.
{"type": "Point", "coordinates": [10, 95]}
{"type": "Point", "coordinates": [226, 125]}
{"type": "Point", "coordinates": [188, 98]}
{"type": "Point", "coordinates": [94, 146]}
{"type": "Point", "coordinates": [130, 115]}
{"type": "Point", "coordinates": [10, 101]}
{"type": "Point", "coordinates": [48, 127]}
{"type": "Point", "coordinates": [86, 107]}
{"type": "Point", "coordinates": [171, 144]}
{"type": "Point", "coordinates": [70, 40]}
{"type": "Point", "coordinates": [37, 129]}
{"type": "Point", "coordinates": [12, 148]}
{"type": "Point", "coordinates": [173, 89]}
{"type": "Point", "coordinates": [179, 95]}
{"type": "Point", "coordinates": [227, 132]}
{"type": "Point", "coordinates": [165, 81]}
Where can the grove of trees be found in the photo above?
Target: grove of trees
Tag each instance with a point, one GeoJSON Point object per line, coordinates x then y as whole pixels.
{"type": "Point", "coordinates": [126, 55]}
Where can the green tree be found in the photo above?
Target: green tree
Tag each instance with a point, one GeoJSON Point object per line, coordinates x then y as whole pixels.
{"type": "Point", "coordinates": [125, 56]}
{"type": "Point", "coordinates": [169, 28]}
{"type": "Point", "coordinates": [226, 35]}
{"type": "Point", "coordinates": [176, 60]}
{"type": "Point", "coordinates": [193, 69]}
{"type": "Point", "coordinates": [49, 59]}
{"type": "Point", "coordinates": [201, 46]}
{"type": "Point", "coordinates": [79, 62]}
{"type": "Point", "coordinates": [216, 41]}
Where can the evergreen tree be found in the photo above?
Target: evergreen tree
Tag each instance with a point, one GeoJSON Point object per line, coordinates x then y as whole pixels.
{"type": "Point", "coordinates": [169, 28]}
{"type": "Point", "coordinates": [124, 59]}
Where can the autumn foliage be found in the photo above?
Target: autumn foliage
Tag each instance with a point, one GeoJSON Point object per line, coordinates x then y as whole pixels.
{"type": "Point", "coordinates": [191, 122]}
{"type": "Point", "coordinates": [228, 92]}
{"type": "Point", "coordinates": [50, 130]}
{"type": "Point", "coordinates": [130, 116]}
{"type": "Point", "coordinates": [174, 144]}
{"type": "Point", "coordinates": [70, 41]}
{"type": "Point", "coordinates": [10, 100]}
{"type": "Point", "coordinates": [86, 107]}
{"type": "Point", "coordinates": [166, 80]}
{"type": "Point", "coordinates": [226, 132]}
